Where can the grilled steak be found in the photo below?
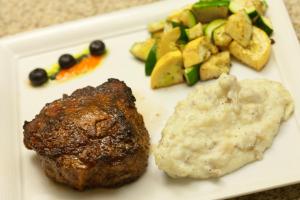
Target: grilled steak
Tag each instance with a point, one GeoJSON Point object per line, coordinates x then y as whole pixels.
{"type": "Point", "coordinates": [94, 137]}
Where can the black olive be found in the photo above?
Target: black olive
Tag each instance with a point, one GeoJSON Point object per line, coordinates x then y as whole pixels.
{"type": "Point", "coordinates": [38, 77]}
{"type": "Point", "coordinates": [97, 48]}
{"type": "Point", "coordinates": [66, 61]}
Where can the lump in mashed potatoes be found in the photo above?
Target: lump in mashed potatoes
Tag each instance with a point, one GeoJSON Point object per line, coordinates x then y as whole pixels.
{"type": "Point", "coordinates": [221, 127]}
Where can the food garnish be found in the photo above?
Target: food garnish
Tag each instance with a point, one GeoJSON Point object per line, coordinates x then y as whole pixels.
{"type": "Point", "coordinates": [66, 61]}
{"type": "Point", "coordinates": [38, 77]}
{"type": "Point", "coordinates": [97, 48]}
{"type": "Point", "coordinates": [69, 66]}
{"type": "Point", "coordinates": [202, 30]}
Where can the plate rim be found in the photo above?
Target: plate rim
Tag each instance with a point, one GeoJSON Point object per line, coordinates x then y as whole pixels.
{"type": "Point", "coordinates": [13, 47]}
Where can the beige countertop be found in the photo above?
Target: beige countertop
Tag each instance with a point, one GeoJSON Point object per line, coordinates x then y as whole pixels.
{"type": "Point", "coordinates": [25, 15]}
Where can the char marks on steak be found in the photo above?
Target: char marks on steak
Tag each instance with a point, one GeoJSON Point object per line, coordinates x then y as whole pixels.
{"type": "Point", "coordinates": [94, 137]}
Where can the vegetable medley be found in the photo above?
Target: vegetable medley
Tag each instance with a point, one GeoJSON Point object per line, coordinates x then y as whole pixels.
{"type": "Point", "coordinates": [195, 42]}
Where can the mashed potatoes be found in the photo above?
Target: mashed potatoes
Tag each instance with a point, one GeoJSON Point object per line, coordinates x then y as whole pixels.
{"type": "Point", "coordinates": [221, 127]}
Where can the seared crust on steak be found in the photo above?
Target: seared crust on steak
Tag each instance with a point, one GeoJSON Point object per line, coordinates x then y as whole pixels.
{"type": "Point", "coordinates": [94, 137]}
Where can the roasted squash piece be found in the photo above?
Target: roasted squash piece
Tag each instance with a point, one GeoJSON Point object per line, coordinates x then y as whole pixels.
{"type": "Point", "coordinates": [215, 66]}
{"type": "Point", "coordinates": [141, 50]}
{"type": "Point", "coordinates": [221, 38]}
{"type": "Point", "coordinates": [239, 27]}
{"type": "Point", "coordinates": [258, 52]}
{"type": "Point", "coordinates": [167, 42]}
{"type": "Point", "coordinates": [198, 51]}
{"type": "Point", "coordinates": [168, 70]}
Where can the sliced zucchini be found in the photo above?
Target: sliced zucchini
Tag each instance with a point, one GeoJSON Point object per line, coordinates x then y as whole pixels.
{"type": "Point", "coordinates": [191, 75]}
{"type": "Point", "coordinates": [206, 11]}
{"type": "Point", "coordinates": [194, 32]}
{"type": "Point", "coordinates": [212, 26]}
{"type": "Point", "coordinates": [141, 50]}
{"type": "Point", "coordinates": [265, 24]}
{"type": "Point", "coordinates": [151, 60]}
{"type": "Point", "coordinates": [221, 38]}
{"type": "Point", "coordinates": [188, 19]}
{"type": "Point", "coordinates": [257, 53]}
{"type": "Point", "coordinates": [253, 14]}
{"type": "Point", "coordinates": [167, 43]}
{"type": "Point", "coordinates": [215, 66]}
{"type": "Point", "coordinates": [156, 26]}
{"type": "Point", "coordinates": [198, 51]}
{"type": "Point", "coordinates": [183, 35]}
{"type": "Point", "coordinates": [168, 70]}
{"type": "Point", "coordinates": [239, 27]}
{"type": "Point", "coordinates": [237, 5]}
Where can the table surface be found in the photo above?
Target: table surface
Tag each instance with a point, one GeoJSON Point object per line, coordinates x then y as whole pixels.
{"type": "Point", "coordinates": [24, 15]}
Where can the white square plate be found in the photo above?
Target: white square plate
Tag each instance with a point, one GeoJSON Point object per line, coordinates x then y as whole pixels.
{"type": "Point", "coordinates": [20, 174]}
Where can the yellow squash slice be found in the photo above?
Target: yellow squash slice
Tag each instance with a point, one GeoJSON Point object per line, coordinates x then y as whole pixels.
{"type": "Point", "coordinates": [257, 54]}
{"type": "Point", "coordinates": [221, 38]}
{"type": "Point", "coordinates": [168, 70]}
{"type": "Point", "coordinates": [198, 51]}
{"type": "Point", "coordinates": [175, 15]}
{"type": "Point", "coordinates": [156, 26]}
{"type": "Point", "coordinates": [141, 50]}
{"type": "Point", "coordinates": [167, 43]}
{"type": "Point", "coordinates": [239, 27]}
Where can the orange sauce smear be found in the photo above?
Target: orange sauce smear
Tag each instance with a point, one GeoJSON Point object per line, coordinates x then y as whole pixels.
{"type": "Point", "coordinates": [86, 64]}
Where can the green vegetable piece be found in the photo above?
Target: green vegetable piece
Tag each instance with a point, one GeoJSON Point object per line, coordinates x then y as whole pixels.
{"type": "Point", "coordinates": [194, 32]}
{"type": "Point", "coordinates": [206, 11]}
{"type": "Point", "coordinates": [265, 24]}
{"type": "Point", "coordinates": [53, 71]}
{"type": "Point", "coordinates": [151, 60]}
{"type": "Point", "coordinates": [220, 38]}
{"type": "Point", "coordinates": [191, 75]}
{"type": "Point", "coordinates": [213, 26]}
{"type": "Point", "coordinates": [188, 19]}
{"type": "Point", "coordinates": [183, 39]}
{"type": "Point", "coordinates": [140, 50]}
